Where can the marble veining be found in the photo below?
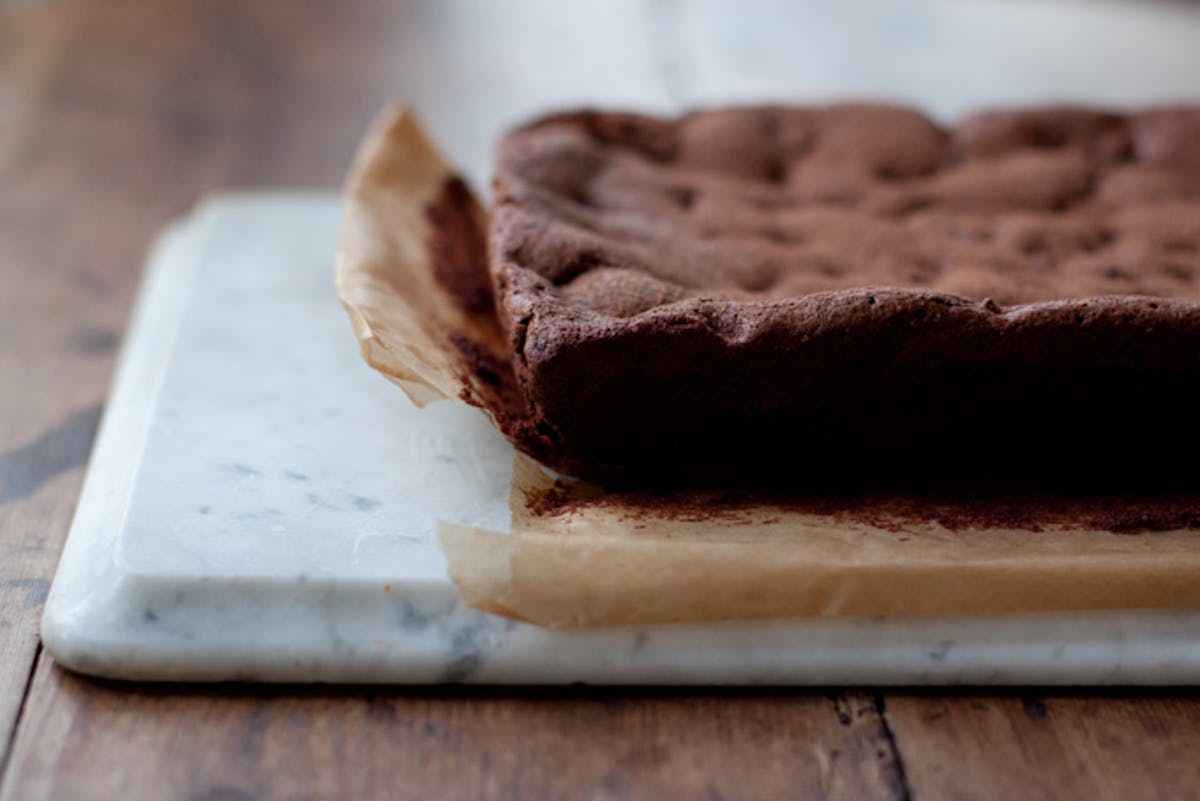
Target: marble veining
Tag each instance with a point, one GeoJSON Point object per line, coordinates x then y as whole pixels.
{"type": "Point", "coordinates": [260, 506]}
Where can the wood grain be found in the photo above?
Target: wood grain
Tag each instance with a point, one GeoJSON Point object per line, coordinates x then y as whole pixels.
{"type": "Point", "coordinates": [46, 422]}
{"type": "Point", "coordinates": [287, 743]}
{"type": "Point", "coordinates": [114, 118]}
{"type": "Point", "coordinates": [1050, 746]}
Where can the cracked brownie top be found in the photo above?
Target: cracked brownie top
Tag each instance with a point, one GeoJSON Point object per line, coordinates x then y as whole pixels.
{"type": "Point", "coordinates": [617, 214]}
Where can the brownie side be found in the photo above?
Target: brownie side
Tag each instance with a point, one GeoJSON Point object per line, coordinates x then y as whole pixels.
{"type": "Point", "coordinates": [853, 291]}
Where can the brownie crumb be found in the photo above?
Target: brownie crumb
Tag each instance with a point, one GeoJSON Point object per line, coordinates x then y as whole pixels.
{"type": "Point", "coordinates": [459, 247]}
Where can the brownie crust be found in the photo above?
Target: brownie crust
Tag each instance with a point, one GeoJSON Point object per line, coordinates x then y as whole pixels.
{"type": "Point", "coordinates": [853, 292]}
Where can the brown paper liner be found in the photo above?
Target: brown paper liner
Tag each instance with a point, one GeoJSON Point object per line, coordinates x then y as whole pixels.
{"type": "Point", "coordinates": [404, 209]}
{"type": "Point", "coordinates": [593, 560]}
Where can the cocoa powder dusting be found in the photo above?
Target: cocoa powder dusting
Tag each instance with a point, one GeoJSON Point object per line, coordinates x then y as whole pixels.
{"type": "Point", "coordinates": [552, 501]}
{"type": "Point", "coordinates": [954, 510]}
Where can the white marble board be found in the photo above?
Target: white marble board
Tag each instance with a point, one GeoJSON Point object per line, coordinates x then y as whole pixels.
{"type": "Point", "coordinates": [261, 506]}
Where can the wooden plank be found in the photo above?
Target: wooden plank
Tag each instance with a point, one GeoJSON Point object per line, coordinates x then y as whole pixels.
{"type": "Point", "coordinates": [46, 422]}
{"type": "Point", "coordinates": [1061, 746]}
{"type": "Point", "coordinates": [107, 741]}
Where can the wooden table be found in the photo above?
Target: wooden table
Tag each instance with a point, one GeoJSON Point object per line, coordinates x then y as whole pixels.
{"type": "Point", "coordinates": [114, 118]}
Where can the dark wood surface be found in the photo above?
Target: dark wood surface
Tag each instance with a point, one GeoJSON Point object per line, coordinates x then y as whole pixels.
{"type": "Point", "coordinates": [114, 118]}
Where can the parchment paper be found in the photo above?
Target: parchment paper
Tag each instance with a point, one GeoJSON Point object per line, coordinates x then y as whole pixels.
{"type": "Point", "coordinates": [406, 323]}
{"type": "Point", "coordinates": [589, 559]}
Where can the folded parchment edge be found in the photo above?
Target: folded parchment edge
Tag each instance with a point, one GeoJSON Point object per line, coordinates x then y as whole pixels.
{"type": "Point", "coordinates": [384, 271]}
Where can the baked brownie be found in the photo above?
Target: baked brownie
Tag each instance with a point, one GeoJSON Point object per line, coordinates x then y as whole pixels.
{"type": "Point", "coordinates": [853, 291]}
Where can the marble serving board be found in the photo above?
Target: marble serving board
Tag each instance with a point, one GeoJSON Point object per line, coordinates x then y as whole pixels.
{"type": "Point", "coordinates": [261, 506]}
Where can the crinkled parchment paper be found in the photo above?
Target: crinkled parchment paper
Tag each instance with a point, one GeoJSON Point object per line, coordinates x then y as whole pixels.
{"type": "Point", "coordinates": [578, 557]}
{"type": "Point", "coordinates": [405, 208]}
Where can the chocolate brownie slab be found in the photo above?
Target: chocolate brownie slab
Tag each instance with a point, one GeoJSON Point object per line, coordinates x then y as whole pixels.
{"type": "Point", "coordinates": [853, 291]}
